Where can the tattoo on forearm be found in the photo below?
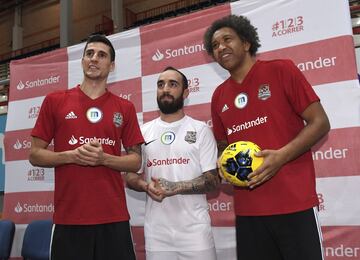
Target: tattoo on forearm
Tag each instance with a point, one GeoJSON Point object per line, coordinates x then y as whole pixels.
{"type": "Point", "coordinates": [202, 184]}
{"type": "Point", "coordinates": [169, 186]}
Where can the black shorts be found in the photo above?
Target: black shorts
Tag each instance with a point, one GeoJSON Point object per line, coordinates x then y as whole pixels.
{"type": "Point", "coordinates": [295, 236]}
{"type": "Point", "coordinates": [93, 242]}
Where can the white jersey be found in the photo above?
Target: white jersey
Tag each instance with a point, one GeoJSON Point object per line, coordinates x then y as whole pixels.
{"type": "Point", "coordinates": [178, 151]}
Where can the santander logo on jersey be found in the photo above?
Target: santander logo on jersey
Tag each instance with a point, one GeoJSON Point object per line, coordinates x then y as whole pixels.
{"type": "Point", "coordinates": [246, 125]}
{"type": "Point", "coordinates": [165, 162]}
{"type": "Point", "coordinates": [84, 140]}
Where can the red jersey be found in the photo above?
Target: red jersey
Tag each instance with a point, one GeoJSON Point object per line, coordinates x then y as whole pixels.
{"type": "Point", "coordinates": [266, 109]}
{"type": "Point", "coordinates": [88, 195]}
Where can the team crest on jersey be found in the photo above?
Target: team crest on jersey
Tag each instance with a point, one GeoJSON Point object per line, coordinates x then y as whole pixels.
{"type": "Point", "coordinates": [190, 137]}
{"type": "Point", "coordinates": [118, 119]}
{"type": "Point", "coordinates": [264, 92]}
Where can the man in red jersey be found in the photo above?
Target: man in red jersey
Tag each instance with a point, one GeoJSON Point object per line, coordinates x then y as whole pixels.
{"type": "Point", "coordinates": [267, 102]}
{"type": "Point", "coordinates": [88, 125]}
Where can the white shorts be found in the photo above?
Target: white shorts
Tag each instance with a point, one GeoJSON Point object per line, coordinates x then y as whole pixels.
{"type": "Point", "coordinates": [209, 254]}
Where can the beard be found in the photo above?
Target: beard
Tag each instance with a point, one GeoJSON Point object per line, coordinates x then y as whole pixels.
{"type": "Point", "coordinates": [170, 107]}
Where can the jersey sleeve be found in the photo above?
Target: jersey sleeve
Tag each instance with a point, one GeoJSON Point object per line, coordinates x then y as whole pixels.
{"type": "Point", "coordinates": [45, 124]}
{"type": "Point", "coordinates": [142, 166]}
{"type": "Point", "coordinates": [218, 127]}
{"type": "Point", "coordinates": [208, 150]}
{"type": "Point", "coordinates": [132, 134]}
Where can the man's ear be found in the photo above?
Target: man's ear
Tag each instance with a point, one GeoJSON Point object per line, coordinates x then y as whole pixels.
{"type": "Point", "coordinates": [112, 66]}
{"type": "Point", "coordinates": [186, 93]}
{"type": "Point", "coordinates": [82, 62]}
{"type": "Point", "coordinates": [247, 46]}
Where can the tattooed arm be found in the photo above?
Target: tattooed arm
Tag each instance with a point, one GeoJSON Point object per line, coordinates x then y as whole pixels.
{"type": "Point", "coordinates": [130, 162]}
{"type": "Point", "coordinates": [208, 181]}
{"type": "Point", "coordinates": [135, 181]}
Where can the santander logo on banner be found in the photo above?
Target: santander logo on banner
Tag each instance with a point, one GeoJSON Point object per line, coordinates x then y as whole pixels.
{"type": "Point", "coordinates": [160, 47]}
{"type": "Point", "coordinates": [337, 152]}
{"type": "Point", "coordinates": [220, 204]}
{"type": "Point", "coordinates": [38, 82]}
{"type": "Point", "coordinates": [322, 61]}
{"type": "Point", "coordinates": [38, 75]}
{"type": "Point", "coordinates": [158, 56]}
{"type": "Point", "coordinates": [341, 242]}
{"type": "Point", "coordinates": [18, 143]}
{"type": "Point", "coordinates": [182, 51]}
{"type": "Point", "coordinates": [24, 207]}
{"type": "Point", "coordinates": [30, 208]}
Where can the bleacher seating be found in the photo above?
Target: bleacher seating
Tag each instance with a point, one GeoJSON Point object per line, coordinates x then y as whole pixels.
{"type": "Point", "coordinates": [37, 240]}
{"type": "Point", "coordinates": [7, 230]}
{"type": "Point", "coordinates": [177, 12]}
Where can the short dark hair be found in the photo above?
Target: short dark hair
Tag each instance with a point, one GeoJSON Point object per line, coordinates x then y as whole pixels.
{"type": "Point", "coordinates": [184, 79]}
{"type": "Point", "coordinates": [241, 25]}
{"type": "Point", "coordinates": [103, 39]}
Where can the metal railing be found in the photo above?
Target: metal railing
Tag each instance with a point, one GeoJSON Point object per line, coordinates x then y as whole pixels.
{"type": "Point", "coordinates": [4, 73]}
{"type": "Point", "coordinates": [166, 11]}
{"type": "Point", "coordinates": [29, 49]}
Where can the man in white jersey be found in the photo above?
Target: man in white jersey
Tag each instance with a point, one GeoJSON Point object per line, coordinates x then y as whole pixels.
{"type": "Point", "coordinates": [179, 163]}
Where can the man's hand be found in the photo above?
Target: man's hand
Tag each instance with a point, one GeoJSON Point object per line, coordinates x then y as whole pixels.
{"type": "Point", "coordinates": [206, 182]}
{"type": "Point", "coordinates": [89, 154]}
{"type": "Point", "coordinates": [273, 161]}
{"type": "Point", "coordinates": [155, 191]}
